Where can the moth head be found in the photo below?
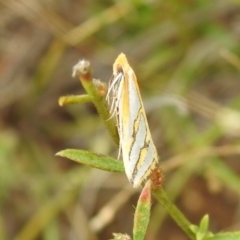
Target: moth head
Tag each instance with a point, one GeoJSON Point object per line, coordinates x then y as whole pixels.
{"type": "Point", "coordinates": [121, 64]}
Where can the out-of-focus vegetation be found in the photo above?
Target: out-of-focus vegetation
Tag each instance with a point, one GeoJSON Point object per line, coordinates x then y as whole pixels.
{"type": "Point", "coordinates": [187, 59]}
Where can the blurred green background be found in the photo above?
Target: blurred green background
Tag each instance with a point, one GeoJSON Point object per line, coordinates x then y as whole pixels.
{"type": "Point", "coordinates": [186, 56]}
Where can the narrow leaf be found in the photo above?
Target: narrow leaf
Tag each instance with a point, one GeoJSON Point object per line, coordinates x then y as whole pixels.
{"type": "Point", "coordinates": [93, 160]}
{"type": "Point", "coordinates": [204, 224]}
{"type": "Point", "coordinates": [142, 213]}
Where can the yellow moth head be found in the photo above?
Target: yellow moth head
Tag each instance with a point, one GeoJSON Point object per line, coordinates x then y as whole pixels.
{"type": "Point", "coordinates": [121, 63]}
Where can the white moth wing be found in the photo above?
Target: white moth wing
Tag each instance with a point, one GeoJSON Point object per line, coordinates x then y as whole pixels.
{"type": "Point", "coordinates": [138, 150]}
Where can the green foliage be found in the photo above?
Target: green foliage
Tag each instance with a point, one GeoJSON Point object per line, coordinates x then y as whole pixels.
{"type": "Point", "coordinates": [142, 213]}
{"type": "Point", "coordinates": [186, 57]}
{"type": "Point", "coordinates": [201, 232]}
{"type": "Point", "coordinates": [93, 160]}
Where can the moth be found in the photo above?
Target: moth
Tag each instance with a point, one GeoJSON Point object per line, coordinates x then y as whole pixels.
{"type": "Point", "coordinates": [141, 161]}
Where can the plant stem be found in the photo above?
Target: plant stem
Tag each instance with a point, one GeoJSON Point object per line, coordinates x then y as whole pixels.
{"type": "Point", "coordinates": [173, 211]}
{"type": "Point", "coordinates": [96, 91]}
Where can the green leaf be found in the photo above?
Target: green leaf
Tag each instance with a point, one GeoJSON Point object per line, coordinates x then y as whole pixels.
{"type": "Point", "coordinates": [204, 224]}
{"type": "Point", "coordinates": [142, 213]}
{"type": "Point", "coordinates": [93, 160]}
{"type": "Point", "coordinates": [194, 229]}
{"type": "Point", "coordinates": [201, 232]}
{"type": "Point", "coordinates": [225, 236]}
